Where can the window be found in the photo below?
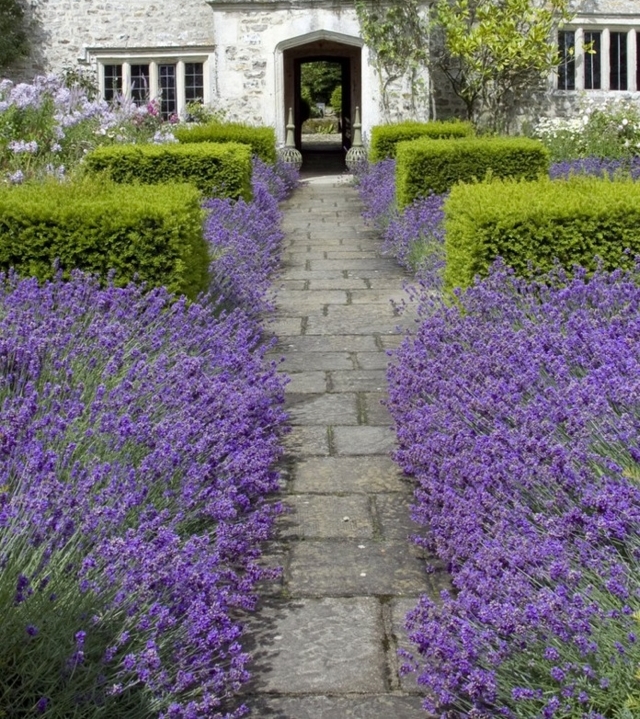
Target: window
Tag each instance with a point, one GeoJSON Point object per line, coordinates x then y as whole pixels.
{"type": "Point", "coordinates": [112, 81]}
{"type": "Point", "coordinates": [618, 61]}
{"type": "Point", "coordinates": [168, 101]}
{"type": "Point", "coordinates": [194, 82]}
{"type": "Point", "coordinates": [173, 79]}
{"type": "Point", "coordinates": [567, 66]}
{"type": "Point", "coordinates": [592, 60]}
{"type": "Point", "coordinates": [600, 57]}
{"type": "Point", "coordinates": [140, 88]}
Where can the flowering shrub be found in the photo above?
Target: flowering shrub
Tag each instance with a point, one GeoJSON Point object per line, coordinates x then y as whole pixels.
{"type": "Point", "coordinates": [415, 236]}
{"type": "Point", "coordinates": [610, 129]}
{"type": "Point", "coordinates": [245, 239]}
{"type": "Point", "coordinates": [46, 127]}
{"type": "Point", "coordinates": [139, 437]}
{"type": "Point", "coordinates": [517, 412]}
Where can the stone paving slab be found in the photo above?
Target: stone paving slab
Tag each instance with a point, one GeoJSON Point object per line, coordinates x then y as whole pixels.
{"type": "Point", "coordinates": [324, 409]}
{"type": "Point", "coordinates": [352, 568]}
{"type": "Point", "coordinates": [371, 296]}
{"type": "Point", "coordinates": [348, 474]}
{"type": "Point", "coordinates": [290, 285]}
{"type": "Point", "coordinates": [316, 361]}
{"type": "Point", "coordinates": [344, 283]}
{"type": "Point", "coordinates": [363, 440]}
{"type": "Point", "coordinates": [372, 360]}
{"type": "Point", "coordinates": [353, 264]}
{"type": "Point", "coordinates": [352, 254]}
{"type": "Point", "coordinates": [313, 343]}
{"type": "Point", "coordinates": [375, 412]}
{"type": "Point", "coordinates": [385, 706]}
{"type": "Point", "coordinates": [330, 645]}
{"type": "Point", "coordinates": [319, 516]}
{"type": "Point", "coordinates": [284, 326]}
{"type": "Point", "coordinates": [394, 516]}
{"type": "Point", "coordinates": [295, 302]}
{"type": "Point", "coordinates": [359, 380]}
{"type": "Point", "coordinates": [312, 382]}
{"type": "Point", "coordinates": [305, 441]}
{"type": "Point", "coordinates": [302, 274]}
{"type": "Point", "coordinates": [345, 324]}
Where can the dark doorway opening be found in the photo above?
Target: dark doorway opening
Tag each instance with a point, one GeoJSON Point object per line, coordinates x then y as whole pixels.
{"type": "Point", "coordinates": [323, 154]}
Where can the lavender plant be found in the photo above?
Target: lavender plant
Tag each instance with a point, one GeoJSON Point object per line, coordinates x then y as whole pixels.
{"type": "Point", "coordinates": [517, 413]}
{"type": "Point", "coordinates": [415, 237]}
{"type": "Point", "coordinates": [245, 240]}
{"type": "Point", "coordinates": [139, 435]}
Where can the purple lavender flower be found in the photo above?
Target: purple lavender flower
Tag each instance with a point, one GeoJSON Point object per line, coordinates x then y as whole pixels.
{"type": "Point", "coordinates": [517, 413]}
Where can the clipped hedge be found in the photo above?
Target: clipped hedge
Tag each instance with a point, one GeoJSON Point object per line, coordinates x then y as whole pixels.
{"type": "Point", "coordinates": [533, 224]}
{"type": "Point", "coordinates": [262, 140]}
{"type": "Point", "coordinates": [425, 166]}
{"type": "Point", "coordinates": [217, 170]}
{"type": "Point", "coordinates": [384, 138]}
{"type": "Point", "coordinates": [152, 233]}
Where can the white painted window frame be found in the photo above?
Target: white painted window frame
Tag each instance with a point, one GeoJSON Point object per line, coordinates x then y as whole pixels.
{"type": "Point", "coordinates": [604, 25]}
{"type": "Point", "coordinates": [155, 57]}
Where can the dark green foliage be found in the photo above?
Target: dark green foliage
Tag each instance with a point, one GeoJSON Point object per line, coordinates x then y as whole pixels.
{"type": "Point", "coordinates": [153, 233]}
{"type": "Point", "coordinates": [14, 42]}
{"type": "Point", "coordinates": [319, 78]}
{"type": "Point", "coordinates": [532, 224]}
{"type": "Point", "coordinates": [262, 140]}
{"type": "Point", "coordinates": [425, 166]}
{"type": "Point", "coordinates": [216, 169]}
{"type": "Point", "coordinates": [384, 138]}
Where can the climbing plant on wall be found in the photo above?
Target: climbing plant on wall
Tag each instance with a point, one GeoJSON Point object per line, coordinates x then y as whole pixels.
{"type": "Point", "coordinates": [397, 34]}
{"type": "Point", "coordinates": [14, 41]}
{"type": "Point", "coordinates": [495, 52]}
{"type": "Point", "coordinates": [491, 52]}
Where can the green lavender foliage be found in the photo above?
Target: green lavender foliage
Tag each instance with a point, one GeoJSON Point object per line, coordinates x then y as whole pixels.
{"type": "Point", "coordinates": [216, 169]}
{"type": "Point", "coordinates": [426, 166]}
{"type": "Point", "coordinates": [262, 140]}
{"type": "Point", "coordinates": [384, 138]}
{"type": "Point", "coordinates": [531, 225]}
{"type": "Point", "coordinates": [135, 231]}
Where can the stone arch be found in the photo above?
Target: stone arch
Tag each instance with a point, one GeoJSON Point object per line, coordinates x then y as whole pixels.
{"type": "Point", "coordinates": [317, 45]}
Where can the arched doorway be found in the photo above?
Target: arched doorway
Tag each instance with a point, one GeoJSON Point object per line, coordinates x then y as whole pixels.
{"type": "Point", "coordinates": [326, 46]}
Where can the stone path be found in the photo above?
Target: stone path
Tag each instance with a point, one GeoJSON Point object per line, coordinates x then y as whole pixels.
{"type": "Point", "coordinates": [326, 637]}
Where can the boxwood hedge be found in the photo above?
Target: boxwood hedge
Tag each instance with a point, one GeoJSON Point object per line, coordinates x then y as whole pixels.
{"type": "Point", "coordinates": [261, 140]}
{"type": "Point", "coordinates": [384, 138]}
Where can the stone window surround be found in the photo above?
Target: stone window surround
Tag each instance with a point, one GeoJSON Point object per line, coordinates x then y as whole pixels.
{"type": "Point", "coordinates": [153, 57]}
{"type": "Point", "coordinates": [604, 25]}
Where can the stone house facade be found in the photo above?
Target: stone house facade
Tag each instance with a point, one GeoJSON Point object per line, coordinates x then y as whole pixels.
{"type": "Point", "coordinates": [244, 56]}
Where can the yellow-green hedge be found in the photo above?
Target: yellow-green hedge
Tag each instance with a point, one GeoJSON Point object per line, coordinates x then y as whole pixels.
{"type": "Point", "coordinates": [152, 233]}
{"type": "Point", "coordinates": [384, 138]}
{"type": "Point", "coordinates": [533, 224]}
{"type": "Point", "coordinates": [216, 169]}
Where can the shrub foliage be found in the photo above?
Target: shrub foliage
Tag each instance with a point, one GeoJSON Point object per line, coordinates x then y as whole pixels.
{"type": "Point", "coordinates": [533, 224]}
{"type": "Point", "coordinates": [262, 140]}
{"type": "Point", "coordinates": [152, 233]}
{"type": "Point", "coordinates": [425, 166]}
{"type": "Point", "coordinates": [216, 169]}
{"type": "Point", "coordinates": [384, 138]}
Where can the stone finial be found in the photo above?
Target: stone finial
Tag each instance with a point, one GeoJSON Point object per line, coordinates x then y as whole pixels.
{"type": "Point", "coordinates": [289, 154]}
{"type": "Point", "coordinates": [357, 153]}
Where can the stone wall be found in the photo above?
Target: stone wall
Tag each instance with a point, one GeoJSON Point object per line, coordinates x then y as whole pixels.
{"type": "Point", "coordinates": [61, 29]}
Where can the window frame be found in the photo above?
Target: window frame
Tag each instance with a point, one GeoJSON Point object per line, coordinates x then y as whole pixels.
{"type": "Point", "coordinates": [630, 26]}
{"type": "Point", "coordinates": [154, 58]}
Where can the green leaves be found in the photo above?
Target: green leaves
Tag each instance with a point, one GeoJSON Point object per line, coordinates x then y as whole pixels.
{"type": "Point", "coordinates": [494, 51]}
{"type": "Point", "coordinates": [14, 42]}
{"type": "Point", "coordinates": [150, 232]}
{"type": "Point", "coordinates": [533, 224]}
